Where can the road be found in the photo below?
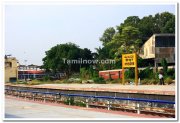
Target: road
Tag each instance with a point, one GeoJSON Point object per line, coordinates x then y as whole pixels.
{"type": "Point", "coordinates": [22, 109]}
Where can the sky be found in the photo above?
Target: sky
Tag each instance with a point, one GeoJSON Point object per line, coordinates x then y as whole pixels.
{"type": "Point", "coordinates": [30, 30]}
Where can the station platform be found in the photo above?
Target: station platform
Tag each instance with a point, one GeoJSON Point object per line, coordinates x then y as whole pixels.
{"type": "Point", "coordinates": [141, 89]}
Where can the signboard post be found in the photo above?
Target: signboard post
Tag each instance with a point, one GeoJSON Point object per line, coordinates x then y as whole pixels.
{"type": "Point", "coordinates": [130, 60]}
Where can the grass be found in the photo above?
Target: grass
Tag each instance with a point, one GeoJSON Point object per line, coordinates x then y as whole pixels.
{"type": "Point", "coordinates": [152, 81]}
{"type": "Point", "coordinates": [37, 82]}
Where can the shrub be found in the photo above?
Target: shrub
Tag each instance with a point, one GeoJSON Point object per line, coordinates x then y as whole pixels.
{"type": "Point", "coordinates": [79, 103]}
{"type": "Point", "coordinates": [171, 73]}
{"type": "Point", "coordinates": [168, 80]}
{"type": "Point", "coordinates": [46, 78]}
{"type": "Point", "coordinates": [34, 83]}
{"type": "Point", "coordinates": [164, 65]}
{"type": "Point", "coordinates": [83, 72]}
{"type": "Point", "coordinates": [113, 81]}
{"type": "Point", "coordinates": [128, 81]}
{"type": "Point", "coordinates": [149, 81]}
{"type": "Point", "coordinates": [71, 101]}
{"type": "Point", "coordinates": [99, 80]}
{"type": "Point", "coordinates": [66, 81]}
{"type": "Point", "coordinates": [23, 82]}
{"type": "Point", "coordinates": [146, 73]}
{"type": "Point", "coordinates": [116, 81]}
{"type": "Point", "coordinates": [88, 73]}
{"type": "Point", "coordinates": [130, 73]}
{"type": "Point", "coordinates": [154, 81]}
{"type": "Point", "coordinates": [73, 80]}
{"type": "Point", "coordinates": [95, 74]}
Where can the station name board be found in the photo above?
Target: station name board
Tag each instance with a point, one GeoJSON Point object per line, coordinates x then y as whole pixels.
{"type": "Point", "coordinates": [129, 60]}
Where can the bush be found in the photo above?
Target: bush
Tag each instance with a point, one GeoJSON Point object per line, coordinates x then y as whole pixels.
{"type": "Point", "coordinates": [164, 65]}
{"type": "Point", "coordinates": [129, 81]}
{"type": "Point", "coordinates": [149, 81]}
{"type": "Point", "coordinates": [71, 101]}
{"type": "Point", "coordinates": [79, 103]}
{"type": "Point", "coordinates": [73, 80]}
{"type": "Point", "coordinates": [88, 73]}
{"type": "Point", "coordinates": [99, 80]}
{"type": "Point", "coordinates": [171, 73]}
{"type": "Point", "coordinates": [130, 73]}
{"type": "Point", "coordinates": [21, 82]}
{"type": "Point", "coordinates": [113, 81]}
{"type": "Point", "coordinates": [46, 78]}
{"type": "Point", "coordinates": [168, 81]}
{"type": "Point", "coordinates": [34, 83]}
{"type": "Point", "coordinates": [146, 73]}
{"type": "Point", "coordinates": [83, 72]}
{"type": "Point", "coordinates": [66, 81]}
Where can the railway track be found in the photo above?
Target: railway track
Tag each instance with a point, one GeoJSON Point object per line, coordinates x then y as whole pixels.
{"type": "Point", "coordinates": [104, 102]}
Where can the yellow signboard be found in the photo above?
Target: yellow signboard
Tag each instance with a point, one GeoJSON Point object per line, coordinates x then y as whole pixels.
{"type": "Point", "coordinates": [129, 60]}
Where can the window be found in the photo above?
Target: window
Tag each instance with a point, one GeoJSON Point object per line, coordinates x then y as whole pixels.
{"type": "Point", "coordinates": [8, 64]}
{"type": "Point", "coordinates": [165, 41]}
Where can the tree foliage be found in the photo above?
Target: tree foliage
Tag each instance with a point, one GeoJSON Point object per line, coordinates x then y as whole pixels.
{"type": "Point", "coordinates": [128, 40]}
{"type": "Point", "coordinates": [107, 35]}
{"type": "Point", "coordinates": [57, 57]}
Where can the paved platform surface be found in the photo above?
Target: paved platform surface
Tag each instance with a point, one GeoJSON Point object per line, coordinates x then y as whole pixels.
{"type": "Point", "coordinates": [147, 89]}
{"type": "Point", "coordinates": [22, 109]}
{"type": "Point", "coordinates": [144, 89]}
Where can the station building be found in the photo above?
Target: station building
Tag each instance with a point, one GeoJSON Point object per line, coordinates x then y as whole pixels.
{"type": "Point", "coordinates": [30, 72]}
{"type": "Point", "coordinates": [11, 69]}
{"type": "Point", "coordinates": [157, 47]}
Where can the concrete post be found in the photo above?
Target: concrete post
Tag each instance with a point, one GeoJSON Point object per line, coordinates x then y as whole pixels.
{"type": "Point", "coordinates": [25, 96]}
{"type": "Point", "coordinates": [108, 104]}
{"type": "Point", "coordinates": [139, 81]}
{"type": "Point", "coordinates": [18, 93]}
{"type": "Point", "coordinates": [138, 108]}
{"type": "Point", "coordinates": [87, 103]}
{"type": "Point", "coordinates": [55, 98]}
{"type": "Point", "coordinates": [59, 96]}
{"type": "Point", "coordinates": [33, 97]}
{"type": "Point", "coordinates": [44, 98]}
{"type": "Point", "coordinates": [69, 99]}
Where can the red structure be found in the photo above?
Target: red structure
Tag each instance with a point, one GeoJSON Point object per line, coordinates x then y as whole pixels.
{"type": "Point", "coordinates": [111, 74]}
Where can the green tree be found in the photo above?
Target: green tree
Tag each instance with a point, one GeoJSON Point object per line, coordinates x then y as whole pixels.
{"type": "Point", "coordinates": [162, 19]}
{"type": "Point", "coordinates": [86, 54]}
{"type": "Point", "coordinates": [57, 57]}
{"type": "Point", "coordinates": [107, 35]}
{"type": "Point", "coordinates": [128, 40]}
{"type": "Point", "coordinates": [147, 26]}
{"type": "Point", "coordinates": [169, 27]}
{"type": "Point", "coordinates": [130, 21]}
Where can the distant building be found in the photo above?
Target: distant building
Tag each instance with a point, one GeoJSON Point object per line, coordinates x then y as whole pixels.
{"type": "Point", "coordinates": [159, 46]}
{"type": "Point", "coordinates": [11, 69]}
{"type": "Point", "coordinates": [30, 72]}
